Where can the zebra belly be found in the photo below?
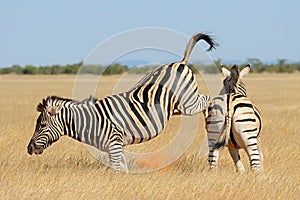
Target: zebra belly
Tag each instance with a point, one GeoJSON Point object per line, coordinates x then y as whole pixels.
{"type": "Point", "coordinates": [136, 137]}
{"type": "Point", "coordinates": [143, 125]}
{"type": "Point", "coordinates": [142, 132]}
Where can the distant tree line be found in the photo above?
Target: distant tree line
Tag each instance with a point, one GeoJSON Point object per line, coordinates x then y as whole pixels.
{"type": "Point", "coordinates": [256, 66]}
{"type": "Point", "coordinates": [66, 69]}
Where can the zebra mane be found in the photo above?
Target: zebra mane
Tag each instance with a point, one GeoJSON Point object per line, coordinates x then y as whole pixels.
{"type": "Point", "coordinates": [50, 99]}
{"type": "Point", "coordinates": [45, 102]}
{"type": "Point", "coordinates": [231, 81]}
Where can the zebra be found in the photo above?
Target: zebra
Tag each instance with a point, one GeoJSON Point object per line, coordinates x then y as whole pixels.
{"type": "Point", "coordinates": [234, 121]}
{"type": "Point", "coordinates": [131, 117]}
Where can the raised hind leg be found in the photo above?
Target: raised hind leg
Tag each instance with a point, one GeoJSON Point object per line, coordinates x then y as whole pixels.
{"type": "Point", "coordinates": [236, 159]}
{"type": "Point", "coordinates": [195, 105]}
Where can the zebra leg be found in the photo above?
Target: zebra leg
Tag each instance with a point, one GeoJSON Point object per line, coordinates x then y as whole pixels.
{"type": "Point", "coordinates": [236, 159]}
{"type": "Point", "coordinates": [196, 105]}
{"type": "Point", "coordinates": [260, 154]}
{"type": "Point", "coordinates": [117, 159]}
{"type": "Point", "coordinates": [213, 157]}
{"type": "Point", "coordinates": [261, 159]}
{"type": "Point", "coordinates": [213, 132]}
{"type": "Point", "coordinates": [254, 155]}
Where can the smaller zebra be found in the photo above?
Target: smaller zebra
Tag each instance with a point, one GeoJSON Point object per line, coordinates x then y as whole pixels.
{"type": "Point", "coordinates": [233, 121]}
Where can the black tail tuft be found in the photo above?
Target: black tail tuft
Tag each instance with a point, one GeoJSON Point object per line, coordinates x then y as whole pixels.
{"type": "Point", "coordinates": [194, 39]}
{"type": "Point", "coordinates": [209, 40]}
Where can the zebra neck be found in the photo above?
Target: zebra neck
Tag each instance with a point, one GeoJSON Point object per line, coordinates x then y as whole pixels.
{"type": "Point", "coordinates": [84, 124]}
{"type": "Point", "coordinates": [241, 89]}
{"type": "Point", "coordinates": [71, 122]}
{"type": "Point", "coordinates": [243, 93]}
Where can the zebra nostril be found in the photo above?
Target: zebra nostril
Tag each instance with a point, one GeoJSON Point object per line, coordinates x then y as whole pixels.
{"type": "Point", "coordinates": [29, 149]}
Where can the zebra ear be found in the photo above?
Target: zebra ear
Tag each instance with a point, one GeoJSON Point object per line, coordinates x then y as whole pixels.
{"type": "Point", "coordinates": [245, 71]}
{"type": "Point", "coordinates": [40, 107]}
{"type": "Point", "coordinates": [225, 71]}
{"type": "Point", "coordinates": [53, 110]}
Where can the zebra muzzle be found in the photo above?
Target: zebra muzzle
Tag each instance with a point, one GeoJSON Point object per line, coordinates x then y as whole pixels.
{"type": "Point", "coordinates": [32, 148]}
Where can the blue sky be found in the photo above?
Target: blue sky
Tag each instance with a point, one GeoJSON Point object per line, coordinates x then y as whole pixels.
{"type": "Point", "coordinates": [63, 32]}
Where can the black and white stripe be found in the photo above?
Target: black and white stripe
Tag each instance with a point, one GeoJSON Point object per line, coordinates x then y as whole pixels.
{"type": "Point", "coordinates": [135, 116]}
{"type": "Point", "coordinates": [234, 121]}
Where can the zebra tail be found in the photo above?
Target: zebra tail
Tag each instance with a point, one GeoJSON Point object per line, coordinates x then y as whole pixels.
{"type": "Point", "coordinates": [195, 38]}
{"type": "Point", "coordinates": [225, 134]}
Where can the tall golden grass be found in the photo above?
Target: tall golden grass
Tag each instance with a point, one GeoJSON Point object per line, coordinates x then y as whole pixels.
{"type": "Point", "coordinates": [67, 171]}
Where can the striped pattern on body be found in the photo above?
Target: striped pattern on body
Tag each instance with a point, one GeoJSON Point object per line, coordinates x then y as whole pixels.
{"type": "Point", "coordinates": [135, 116]}
{"type": "Point", "coordinates": [233, 121]}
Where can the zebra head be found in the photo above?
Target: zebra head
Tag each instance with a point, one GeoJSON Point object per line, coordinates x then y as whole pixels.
{"type": "Point", "coordinates": [48, 129]}
{"type": "Point", "coordinates": [233, 82]}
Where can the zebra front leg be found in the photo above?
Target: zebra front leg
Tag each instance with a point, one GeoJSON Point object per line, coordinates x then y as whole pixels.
{"type": "Point", "coordinates": [236, 159]}
{"type": "Point", "coordinates": [116, 157]}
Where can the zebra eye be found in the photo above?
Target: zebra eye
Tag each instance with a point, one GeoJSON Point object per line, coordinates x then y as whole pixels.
{"type": "Point", "coordinates": [43, 124]}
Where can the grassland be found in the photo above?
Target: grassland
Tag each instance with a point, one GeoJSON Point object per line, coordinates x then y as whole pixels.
{"type": "Point", "coordinates": [66, 170]}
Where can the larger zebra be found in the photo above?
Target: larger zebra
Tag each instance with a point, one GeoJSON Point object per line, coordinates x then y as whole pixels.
{"type": "Point", "coordinates": [234, 121]}
{"type": "Point", "coordinates": [127, 118]}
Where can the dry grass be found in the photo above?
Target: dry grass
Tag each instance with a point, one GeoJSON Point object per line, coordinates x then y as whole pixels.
{"type": "Point", "coordinates": [67, 171]}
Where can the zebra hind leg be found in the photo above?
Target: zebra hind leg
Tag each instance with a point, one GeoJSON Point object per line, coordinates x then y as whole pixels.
{"type": "Point", "coordinates": [260, 154]}
{"type": "Point", "coordinates": [213, 157]}
{"type": "Point", "coordinates": [197, 105]}
{"type": "Point", "coordinates": [236, 159]}
{"type": "Point", "coordinates": [254, 155]}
